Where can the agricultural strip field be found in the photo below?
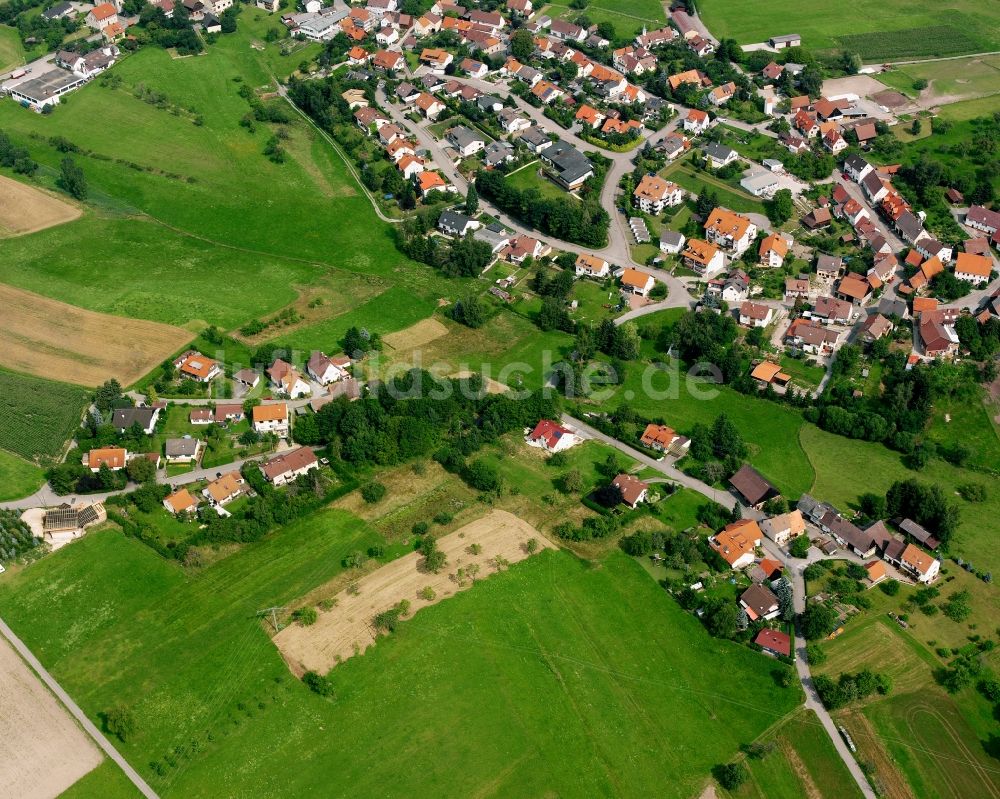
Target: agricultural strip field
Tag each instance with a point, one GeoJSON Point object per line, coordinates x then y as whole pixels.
{"type": "Point", "coordinates": [42, 749]}
{"type": "Point", "coordinates": [838, 461]}
{"type": "Point", "coordinates": [607, 683]}
{"type": "Point", "coordinates": [18, 477]}
{"type": "Point", "coordinates": [874, 29]}
{"type": "Point", "coordinates": [801, 762]}
{"type": "Point", "coordinates": [25, 209]}
{"type": "Point", "coordinates": [238, 237]}
{"type": "Point", "coordinates": [37, 416]}
{"type": "Point", "coordinates": [45, 337]}
{"type": "Point", "coordinates": [347, 628]}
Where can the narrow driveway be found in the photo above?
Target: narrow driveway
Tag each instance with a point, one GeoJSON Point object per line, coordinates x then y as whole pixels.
{"type": "Point", "coordinates": [75, 710]}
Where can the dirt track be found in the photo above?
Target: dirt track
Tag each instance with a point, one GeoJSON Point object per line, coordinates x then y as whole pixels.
{"type": "Point", "coordinates": [51, 339]}
{"type": "Point", "coordinates": [347, 628]}
{"type": "Point", "coordinates": [42, 750]}
{"type": "Point", "coordinates": [25, 209]}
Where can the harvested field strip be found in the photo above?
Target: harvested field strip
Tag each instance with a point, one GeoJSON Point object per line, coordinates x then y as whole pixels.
{"type": "Point", "coordinates": [42, 750]}
{"type": "Point", "coordinates": [347, 628]}
{"type": "Point", "coordinates": [24, 209]}
{"type": "Point", "coordinates": [45, 337]}
{"type": "Point", "coordinates": [423, 332]}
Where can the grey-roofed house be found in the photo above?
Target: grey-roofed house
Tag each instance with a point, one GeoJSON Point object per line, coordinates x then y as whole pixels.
{"type": "Point", "coordinates": [849, 535]}
{"type": "Point", "coordinates": [498, 152]}
{"type": "Point", "coordinates": [571, 167]}
{"type": "Point", "coordinates": [466, 141]}
{"type": "Point", "coordinates": [890, 307]}
{"type": "Point", "coordinates": [182, 450]}
{"type": "Point", "coordinates": [535, 139]}
{"type": "Point", "coordinates": [909, 226]}
{"type": "Point", "coordinates": [58, 11]}
{"type": "Point", "coordinates": [719, 155]}
{"type": "Point", "coordinates": [124, 418]}
{"type": "Point", "coordinates": [671, 241]}
{"type": "Point", "coordinates": [919, 534]}
{"type": "Point", "coordinates": [495, 235]}
{"type": "Point", "coordinates": [489, 102]}
{"type": "Point", "coordinates": [455, 223]}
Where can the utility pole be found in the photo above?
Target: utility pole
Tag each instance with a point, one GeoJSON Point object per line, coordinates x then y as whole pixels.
{"type": "Point", "coordinates": [274, 616]}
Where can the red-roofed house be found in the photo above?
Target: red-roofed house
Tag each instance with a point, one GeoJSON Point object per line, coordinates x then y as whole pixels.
{"type": "Point", "coordinates": [551, 436]}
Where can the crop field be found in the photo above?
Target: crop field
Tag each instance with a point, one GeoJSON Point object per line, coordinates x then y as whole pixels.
{"type": "Point", "coordinates": [25, 209]}
{"type": "Point", "coordinates": [803, 762]}
{"type": "Point", "coordinates": [42, 749]}
{"type": "Point", "coordinates": [45, 337]}
{"type": "Point", "coordinates": [919, 737]}
{"type": "Point", "coordinates": [37, 416]}
{"type": "Point", "coordinates": [222, 235]}
{"type": "Point", "coordinates": [587, 662]}
{"type": "Point", "coordinates": [894, 29]}
{"type": "Point", "coordinates": [347, 629]}
{"type": "Point", "coordinates": [18, 477]}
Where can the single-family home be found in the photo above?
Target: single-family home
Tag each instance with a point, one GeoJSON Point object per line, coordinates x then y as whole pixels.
{"type": "Point", "coordinates": [671, 241]}
{"type": "Point", "coordinates": [271, 418]}
{"type": "Point", "coordinates": [774, 642]}
{"type": "Point", "coordinates": [591, 266]}
{"type": "Point", "coordinates": [323, 369]}
{"type": "Point", "coordinates": [123, 418]}
{"type": "Point", "coordinates": [829, 267]}
{"type": "Point", "coordinates": [973, 268]}
{"type": "Point", "coordinates": [980, 218]}
{"type": "Point", "coordinates": [286, 467]}
{"type": "Point", "coordinates": [736, 542]}
{"type": "Point", "coordinates": [182, 450]}
{"type": "Point", "coordinates": [101, 16]}
{"type": "Point", "coordinates": [718, 155]}
{"type": "Point", "coordinates": [767, 373]}
{"type": "Point", "coordinates": [759, 602]}
{"type": "Point", "coordinates": [772, 250]}
{"type": "Point", "coordinates": [696, 121]}
{"type": "Point", "coordinates": [429, 105]}
{"type": "Point", "coordinates": [466, 141]}
{"type": "Point", "coordinates": [195, 366]}
{"type": "Point", "coordinates": [784, 527]}
{"type": "Point", "coordinates": [833, 311]}
{"type": "Point", "coordinates": [925, 568]}
{"type": "Point", "coordinates": [115, 458]}
{"type": "Point", "coordinates": [551, 436]}
{"type": "Point", "coordinates": [752, 487]}
{"type": "Point", "coordinates": [721, 95]}
{"type": "Point", "coordinates": [661, 438]}
{"type": "Point", "coordinates": [287, 380]}
{"type": "Point", "coordinates": [636, 282]}
{"type": "Point", "coordinates": [811, 337]}
{"type": "Point", "coordinates": [753, 314]}
{"type": "Point", "coordinates": [632, 489]}
{"type": "Point", "coordinates": [180, 501]}
{"type": "Point", "coordinates": [436, 60]}
{"type": "Point", "coordinates": [225, 489]}
{"type": "Point", "coordinates": [796, 288]}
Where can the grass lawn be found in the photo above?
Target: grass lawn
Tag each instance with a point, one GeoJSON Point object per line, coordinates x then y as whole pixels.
{"type": "Point", "coordinates": [218, 258]}
{"type": "Point", "coordinates": [107, 781]}
{"type": "Point", "coordinates": [696, 182]}
{"type": "Point", "coordinates": [802, 372]}
{"type": "Point", "coordinates": [11, 49]}
{"type": "Point", "coordinates": [527, 177]}
{"type": "Point", "coordinates": [896, 29]}
{"type": "Point", "coordinates": [840, 462]}
{"type": "Point", "coordinates": [970, 421]}
{"type": "Point", "coordinates": [37, 416]}
{"type": "Point", "coordinates": [628, 16]}
{"type": "Point", "coordinates": [592, 297]}
{"type": "Point", "coordinates": [606, 682]}
{"type": "Point", "coordinates": [802, 763]}
{"type": "Point", "coordinates": [768, 428]}
{"type": "Point", "coordinates": [969, 109]}
{"type": "Point", "coordinates": [977, 75]}
{"type": "Point", "coordinates": [18, 477]}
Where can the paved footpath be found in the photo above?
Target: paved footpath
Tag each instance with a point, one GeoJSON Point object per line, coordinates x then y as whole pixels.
{"type": "Point", "coordinates": [77, 713]}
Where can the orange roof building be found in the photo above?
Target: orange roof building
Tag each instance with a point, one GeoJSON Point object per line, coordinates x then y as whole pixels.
{"type": "Point", "coordinates": [274, 412]}
{"type": "Point", "coordinates": [736, 542]}
{"type": "Point", "coordinates": [114, 458]}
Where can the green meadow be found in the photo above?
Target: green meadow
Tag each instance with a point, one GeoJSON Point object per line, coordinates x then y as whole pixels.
{"type": "Point", "coordinates": [18, 478]}
{"type": "Point", "coordinates": [191, 223]}
{"type": "Point", "coordinates": [969, 26]}
{"type": "Point", "coordinates": [557, 677]}
{"type": "Point", "coordinates": [11, 49]}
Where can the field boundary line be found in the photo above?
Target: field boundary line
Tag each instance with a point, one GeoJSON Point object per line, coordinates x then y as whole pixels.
{"type": "Point", "coordinates": [89, 727]}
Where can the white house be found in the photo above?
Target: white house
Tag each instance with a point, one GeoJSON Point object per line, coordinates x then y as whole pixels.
{"type": "Point", "coordinates": [271, 418]}
{"type": "Point", "coordinates": [973, 268]}
{"type": "Point", "coordinates": [730, 231]}
{"type": "Point", "coordinates": [324, 370]}
{"type": "Point", "coordinates": [654, 194]}
{"type": "Point", "coordinates": [591, 266]}
{"type": "Point", "coordinates": [636, 282]}
{"type": "Point", "coordinates": [550, 436]}
{"type": "Point", "coordinates": [925, 568]}
{"type": "Point", "coordinates": [754, 314]}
